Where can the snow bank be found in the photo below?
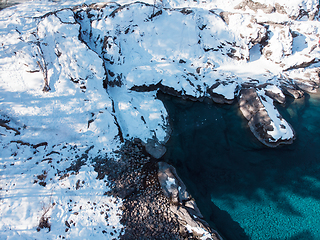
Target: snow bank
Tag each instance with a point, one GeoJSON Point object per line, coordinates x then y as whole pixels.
{"type": "Point", "coordinates": [76, 82]}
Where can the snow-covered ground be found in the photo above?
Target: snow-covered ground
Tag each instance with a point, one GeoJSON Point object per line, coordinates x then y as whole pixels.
{"type": "Point", "coordinates": [76, 82]}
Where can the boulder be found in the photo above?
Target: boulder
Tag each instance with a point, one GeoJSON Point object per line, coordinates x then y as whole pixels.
{"type": "Point", "coordinates": [222, 92]}
{"type": "Point", "coordinates": [249, 102]}
{"type": "Point", "coordinates": [182, 205]}
{"type": "Point", "coordinates": [154, 148]}
{"type": "Point", "coordinates": [307, 86]}
{"type": "Point", "coordinates": [280, 98]}
{"type": "Point", "coordinates": [264, 121]}
{"type": "Point", "coordinates": [292, 91]}
{"type": "Point", "coordinates": [172, 186]}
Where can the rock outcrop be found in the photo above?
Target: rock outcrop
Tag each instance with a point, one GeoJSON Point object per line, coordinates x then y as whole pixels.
{"type": "Point", "coordinates": [156, 204]}
{"type": "Point", "coordinates": [263, 118]}
{"type": "Point", "coordinates": [287, 56]}
{"type": "Point", "coordinates": [97, 70]}
{"type": "Point", "coordinates": [182, 204]}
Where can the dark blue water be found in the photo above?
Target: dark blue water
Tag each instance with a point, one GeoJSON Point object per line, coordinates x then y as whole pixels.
{"type": "Point", "coordinates": [244, 189]}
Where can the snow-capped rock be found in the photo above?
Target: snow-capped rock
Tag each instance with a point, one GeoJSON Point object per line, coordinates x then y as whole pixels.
{"type": "Point", "coordinates": [84, 77]}
{"type": "Point", "coordinates": [264, 120]}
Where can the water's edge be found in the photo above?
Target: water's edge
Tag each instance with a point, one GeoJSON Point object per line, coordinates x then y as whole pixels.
{"type": "Point", "coordinates": [244, 189]}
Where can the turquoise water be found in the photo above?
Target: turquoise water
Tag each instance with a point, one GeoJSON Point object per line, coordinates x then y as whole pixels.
{"type": "Point", "coordinates": [244, 189]}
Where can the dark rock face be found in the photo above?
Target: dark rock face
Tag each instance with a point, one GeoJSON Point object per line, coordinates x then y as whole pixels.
{"type": "Point", "coordinates": [171, 184]}
{"type": "Point", "coordinates": [253, 110]}
{"type": "Point", "coordinates": [259, 124]}
{"type": "Point", "coordinates": [292, 91]}
{"type": "Point", "coordinates": [307, 86]}
{"type": "Point", "coordinates": [249, 103]}
{"type": "Point", "coordinates": [276, 96]}
{"type": "Point", "coordinates": [154, 148]}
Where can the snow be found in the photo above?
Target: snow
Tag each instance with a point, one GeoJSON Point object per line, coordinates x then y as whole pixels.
{"type": "Point", "coordinates": [228, 90]}
{"type": "Point", "coordinates": [292, 7]}
{"type": "Point", "coordinates": [66, 16]}
{"type": "Point", "coordinates": [279, 45]}
{"type": "Point", "coordinates": [243, 26]}
{"type": "Point", "coordinates": [72, 54]}
{"type": "Point", "coordinates": [204, 235]}
{"type": "Point", "coordinates": [274, 89]}
{"type": "Point", "coordinates": [281, 128]}
{"type": "Point", "coordinates": [140, 114]}
{"type": "Point", "coordinates": [75, 197]}
{"type": "Point", "coordinates": [170, 181]}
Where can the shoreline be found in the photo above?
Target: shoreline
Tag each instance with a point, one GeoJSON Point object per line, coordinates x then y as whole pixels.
{"type": "Point", "coordinates": [149, 213]}
{"type": "Point", "coordinates": [99, 109]}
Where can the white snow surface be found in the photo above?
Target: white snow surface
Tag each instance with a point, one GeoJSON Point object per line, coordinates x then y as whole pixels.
{"type": "Point", "coordinates": [74, 202]}
{"type": "Point", "coordinates": [202, 233]}
{"type": "Point", "coordinates": [281, 128]}
{"type": "Point", "coordinates": [170, 181]}
{"type": "Point", "coordinates": [43, 134]}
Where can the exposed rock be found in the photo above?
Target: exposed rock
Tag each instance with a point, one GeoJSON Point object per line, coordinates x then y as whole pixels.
{"type": "Point", "coordinates": [280, 9]}
{"type": "Point", "coordinates": [269, 9]}
{"type": "Point", "coordinates": [304, 79]}
{"type": "Point", "coordinates": [307, 86]}
{"type": "Point", "coordinates": [260, 124]}
{"type": "Point", "coordinates": [304, 12]}
{"type": "Point", "coordinates": [292, 91]}
{"type": "Point", "coordinates": [3, 123]}
{"type": "Point", "coordinates": [246, 26]}
{"type": "Point", "coordinates": [222, 92]}
{"type": "Point", "coordinates": [219, 98]}
{"type": "Point", "coordinates": [259, 120]}
{"type": "Point", "coordinates": [146, 211]}
{"type": "Point", "coordinates": [281, 40]}
{"type": "Point", "coordinates": [280, 98]}
{"type": "Point", "coordinates": [182, 205]}
{"type": "Point", "coordinates": [152, 208]}
{"type": "Point", "coordinates": [225, 16]}
{"type": "Point", "coordinates": [312, 15]}
{"type": "Point", "coordinates": [295, 14]}
{"type": "Point", "coordinates": [193, 208]}
{"type": "Point", "coordinates": [300, 80]}
{"type": "Point", "coordinates": [172, 185]}
{"type": "Point", "coordinates": [249, 102]}
{"type": "Point", "coordinates": [154, 148]}
{"type": "Point", "coordinates": [303, 64]}
{"type": "Point", "coordinates": [165, 89]}
{"type": "Point", "coordinates": [255, 6]}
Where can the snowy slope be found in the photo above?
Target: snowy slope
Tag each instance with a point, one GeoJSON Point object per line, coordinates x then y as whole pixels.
{"type": "Point", "coordinates": [196, 52]}
{"type": "Point", "coordinates": [76, 82]}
